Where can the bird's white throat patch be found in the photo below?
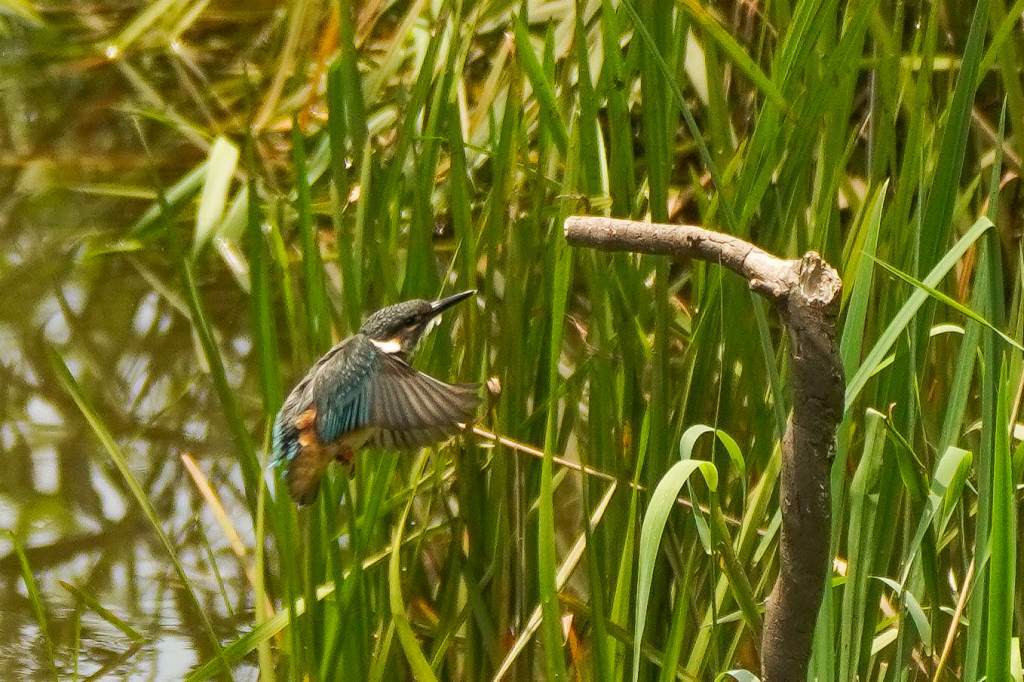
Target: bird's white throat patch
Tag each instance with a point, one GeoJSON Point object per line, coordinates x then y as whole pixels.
{"type": "Point", "coordinates": [389, 346]}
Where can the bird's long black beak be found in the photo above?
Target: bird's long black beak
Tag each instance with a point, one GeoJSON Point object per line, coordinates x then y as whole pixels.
{"type": "Point", "coordinates": [438, 307]}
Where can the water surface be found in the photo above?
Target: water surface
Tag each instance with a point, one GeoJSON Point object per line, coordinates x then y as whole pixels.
{"type": "Point", "coordinates": [73, 179]}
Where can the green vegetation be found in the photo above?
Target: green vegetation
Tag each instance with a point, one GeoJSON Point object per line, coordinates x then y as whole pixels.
{"type": "Point", "coordinates": [227, 188]}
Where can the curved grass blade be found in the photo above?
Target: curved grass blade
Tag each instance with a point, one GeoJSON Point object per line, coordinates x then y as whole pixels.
{"type": "Point", "coordinates": [913, 606]}
{"type": "Point", "coordinates": [662, 501]}
{"type": "Point", "coordinates": [738, 675]}
{"type": "Point", "coordinates": [220, 169]}
{"type": "Point", "coordinates": [948, 300]}
{"type": "Point", "coordinates": [692, 434]}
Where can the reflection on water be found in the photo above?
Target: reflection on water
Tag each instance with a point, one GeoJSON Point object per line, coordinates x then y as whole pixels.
{"type": "Point", "coordinates": [62, 137]}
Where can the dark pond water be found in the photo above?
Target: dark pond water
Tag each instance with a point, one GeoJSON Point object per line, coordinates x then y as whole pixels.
{"type": "Point", "coordinates": [73, 177]}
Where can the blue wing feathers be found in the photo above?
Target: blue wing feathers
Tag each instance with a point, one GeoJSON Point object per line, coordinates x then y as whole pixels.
{"type": "Point", "coordinates": [336, 386]}
{"type": "Point", "coordinates": [342, 400]}
{"type": "Point", "coordinates": [355, 385]}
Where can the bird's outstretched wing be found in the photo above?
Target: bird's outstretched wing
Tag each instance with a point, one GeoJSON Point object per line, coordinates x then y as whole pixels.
{"type": "Point", "coordinates": [412, 409]}
{"type": "Point", "coordinates": [364, 387]}
{"type": "Point", "coordinates": [355, 388]}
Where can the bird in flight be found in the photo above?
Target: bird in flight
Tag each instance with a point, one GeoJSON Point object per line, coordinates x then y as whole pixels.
{"type": "Point", "coordinates": [364, 392]}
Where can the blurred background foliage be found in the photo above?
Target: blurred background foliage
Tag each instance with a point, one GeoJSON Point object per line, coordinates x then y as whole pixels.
{"type": "Point", "coordinates": [200, 196]}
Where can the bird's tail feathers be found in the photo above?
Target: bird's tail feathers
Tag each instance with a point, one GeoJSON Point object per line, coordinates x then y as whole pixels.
{"type": "Point", "coordinates": [284, 443]}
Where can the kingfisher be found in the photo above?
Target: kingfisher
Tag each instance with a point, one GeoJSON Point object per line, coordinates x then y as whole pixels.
{"type": "Point", "coordinates": [365, 392]}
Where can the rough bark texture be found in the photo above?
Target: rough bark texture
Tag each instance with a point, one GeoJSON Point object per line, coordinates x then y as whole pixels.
{"type": "Point", "coordinates": [806, 293]}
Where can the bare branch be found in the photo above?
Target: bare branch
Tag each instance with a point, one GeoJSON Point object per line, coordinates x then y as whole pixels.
{"type": "Point", "coordinates": [806, 293]}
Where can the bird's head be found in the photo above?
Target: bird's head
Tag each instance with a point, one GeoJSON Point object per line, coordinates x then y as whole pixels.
{"type": "Point", "coordinates": [398, 328]}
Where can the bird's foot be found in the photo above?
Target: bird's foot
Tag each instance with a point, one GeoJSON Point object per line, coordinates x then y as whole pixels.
{"type": "Point", "coordinates": [347, 457]}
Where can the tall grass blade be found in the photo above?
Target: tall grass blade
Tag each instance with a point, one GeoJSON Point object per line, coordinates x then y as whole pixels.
{"type": "Point", "coordinates": [888, 337]}
{"type": "Point", "coordinates": [260, 297]}
{"type": "Point", "coordinates": [35, 598]}
{"type": "Point", "coordinates": [861, 291]}
{"type": "Point", "coordinates": [67, 381]}
{"type": "Point", "coordinates": [413, 653]}
{"type": "Point", "coordinates": [546, 552]}
{"type": "Point", "coordinates": [1003, 560]}
{"type": "Point", "coordinates": [543, 89]}
{"type": "Point", "coordinates": [700, 14]}
{"type": "Point", "coordinates": [317, 314]}
{"type": "Point", "coordinates": [860, 540]}
{"type": "Point", "coordinates": [942, 196]}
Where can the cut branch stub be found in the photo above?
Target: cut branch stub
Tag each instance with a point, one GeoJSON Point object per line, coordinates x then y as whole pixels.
{"type": "Point", "coordinates": [806, 293]}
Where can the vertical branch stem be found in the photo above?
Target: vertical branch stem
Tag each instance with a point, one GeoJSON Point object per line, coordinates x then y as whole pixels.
{"type": "Point", "coordinates": [806, 293]}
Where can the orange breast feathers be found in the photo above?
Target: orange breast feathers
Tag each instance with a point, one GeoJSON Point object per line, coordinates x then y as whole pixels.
{"type": "Point", "coordinates": [341, 450]}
